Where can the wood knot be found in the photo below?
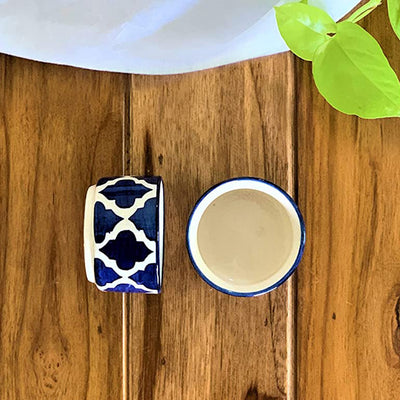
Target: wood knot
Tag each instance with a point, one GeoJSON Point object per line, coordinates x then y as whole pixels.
{"type": "Point", "coordinates": [396, 333]}
{"type": "Point", "coordinates": [252, 394]}
{"type": "Point", "coordinates": [51, 366]}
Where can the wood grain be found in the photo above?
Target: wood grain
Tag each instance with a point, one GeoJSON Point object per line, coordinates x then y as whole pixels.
{"type": "Point", "coordinates": [349, 284]}
{"type": "Point", "coordinates": [60, 130]}
{"type": "Point", "coordinates": [196, 130]}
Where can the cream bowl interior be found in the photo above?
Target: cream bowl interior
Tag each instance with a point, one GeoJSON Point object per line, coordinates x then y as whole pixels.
{"type": "Point", "coordinates": [285, 229]}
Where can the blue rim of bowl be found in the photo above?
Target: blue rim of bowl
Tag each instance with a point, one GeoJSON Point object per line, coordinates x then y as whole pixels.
{"type": "Point", "coordinates": [292, 268]}
{"type": "Point", "coordinates": [160, 235]}
{"type": "Point", "coordinates": [159, 238]}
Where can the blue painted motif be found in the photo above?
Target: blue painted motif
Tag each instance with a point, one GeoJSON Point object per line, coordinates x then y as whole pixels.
{"type": "Point", "coordinates": [102, 181]}
{"type": "Point", "coordinates": [155, 180]}
{"type": "Point", "coordinates": [124, 287]}
{"type": "Point", "coordinates": [126, 250]}
{"type": "Point", "coordinates": [103, 274]}
{"type": "Point", "coordinates": [145, 218]}
{"type": "Point", "coordinates": [148, 277]}
{"type": "Point", "coordinates": [122, 249]}
{"type": "Point", "coordinates": [104, 221]}
{"type": "Point", "coordinates": [124, 193]}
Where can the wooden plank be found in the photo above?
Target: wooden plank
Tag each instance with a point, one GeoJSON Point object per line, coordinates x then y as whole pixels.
{"type": "Point", "coordinates": [195, 130]}
{"type": "Point", "coordinates": [60, 130]}
{"type": "Point", "coordinates": [349, 284]}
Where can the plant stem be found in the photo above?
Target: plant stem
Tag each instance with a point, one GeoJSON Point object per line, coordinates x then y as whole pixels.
{"type": "Point", "coordinates": [363, 11]}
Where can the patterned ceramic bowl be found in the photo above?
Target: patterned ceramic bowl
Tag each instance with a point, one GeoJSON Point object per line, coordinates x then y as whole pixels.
{"type": "Point", "coordinates": [123, 234]}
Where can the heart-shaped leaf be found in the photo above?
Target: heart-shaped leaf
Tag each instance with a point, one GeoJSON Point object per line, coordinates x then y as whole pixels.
{"type": "Point", "coordinates": [354, 76]}
{"type": "Point", "coordinates": [394, 15]}
{"type": "Point", "coordinates": [304, 28]}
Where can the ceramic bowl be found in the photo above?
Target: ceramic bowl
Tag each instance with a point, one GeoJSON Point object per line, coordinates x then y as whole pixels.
{"type": "Point", "coordinates": [123, 234]}
{"type": "Point", "coordinates": [279, 236]}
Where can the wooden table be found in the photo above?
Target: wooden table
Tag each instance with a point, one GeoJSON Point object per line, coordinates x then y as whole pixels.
{"type": "Point", "coordinates": [331, 332]}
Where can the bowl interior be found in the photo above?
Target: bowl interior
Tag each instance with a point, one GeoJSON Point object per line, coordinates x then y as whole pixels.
{"type": "Point", "coordinates": [245, 236]}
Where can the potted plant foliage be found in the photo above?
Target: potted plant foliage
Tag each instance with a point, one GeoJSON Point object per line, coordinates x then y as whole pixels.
{"type": "Point", "coordinates": [349, 67]}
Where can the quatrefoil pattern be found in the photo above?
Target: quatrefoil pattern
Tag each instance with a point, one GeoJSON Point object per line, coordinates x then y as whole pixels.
{"type": "Point", "coordinates": [127, 246]}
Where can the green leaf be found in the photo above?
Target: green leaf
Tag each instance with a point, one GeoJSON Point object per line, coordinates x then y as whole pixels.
{"type": "Point", "coordinates": [304, 28]}
{"type": "Point", "coordinates": [394, 15]}
{"type": "Point", "coordinates": [363, 11]}
{"type": "Point", "coordinates": [354, 76]}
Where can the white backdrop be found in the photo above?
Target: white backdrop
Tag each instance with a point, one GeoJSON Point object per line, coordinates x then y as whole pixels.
{"type": "Point", "coordinates": [145, 36]}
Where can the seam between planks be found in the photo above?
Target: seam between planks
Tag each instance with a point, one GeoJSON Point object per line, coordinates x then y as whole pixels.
{"type": "Point", "coordinates": [292, 290]}
{"type": "Point", "coordinates": [126, 169]}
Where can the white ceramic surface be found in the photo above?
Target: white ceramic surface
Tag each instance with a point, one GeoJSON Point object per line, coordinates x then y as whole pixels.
{"type": "Point", "coordinates": [145, 36]}
{"type": "Point", "coordinates": [88, 234]}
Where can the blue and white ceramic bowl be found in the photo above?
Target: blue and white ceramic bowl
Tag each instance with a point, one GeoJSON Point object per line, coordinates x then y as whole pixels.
{"type": "Point", "coordinates": [123, 234]}
{"type": "Point", "coordinates": [245, 236]}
